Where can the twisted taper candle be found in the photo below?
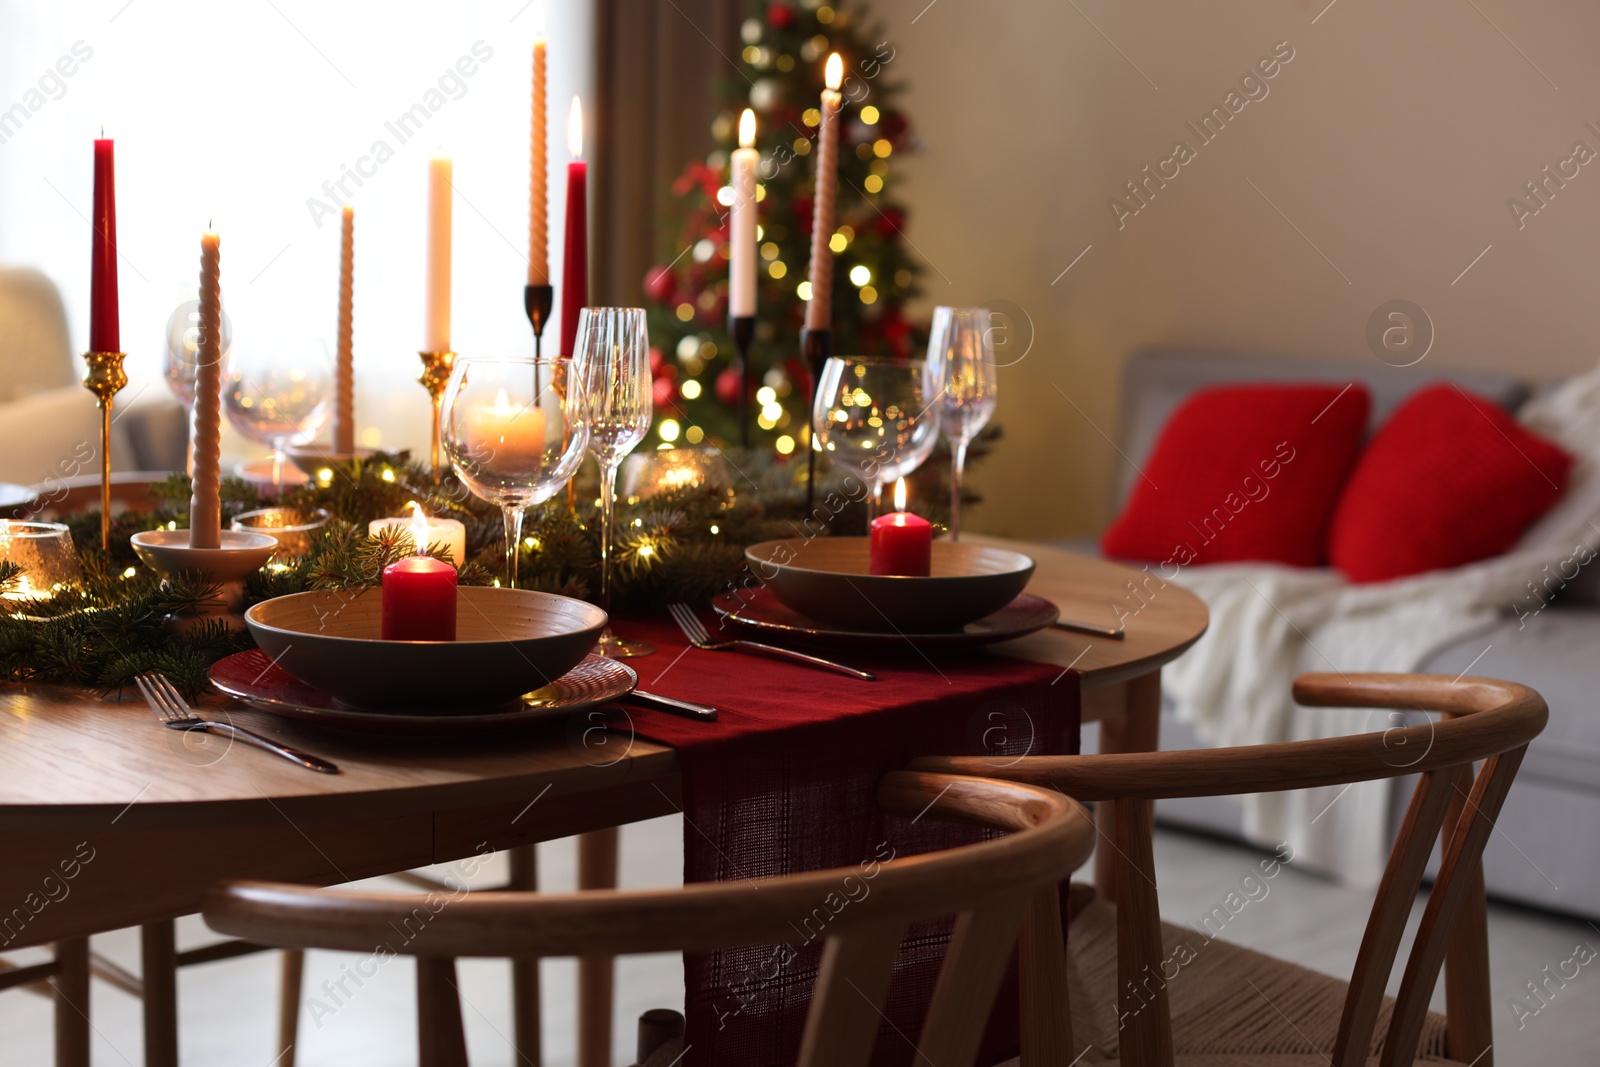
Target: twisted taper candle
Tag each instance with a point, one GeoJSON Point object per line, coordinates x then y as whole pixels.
{"type": "Point", "coordinates": [344, 386]}
{"type": "Point", "coordinates": [819, 309]}
{"type": "Point", "coordinates": [205, 503]}
{"type": "Point", "coordinates": [538, 181]}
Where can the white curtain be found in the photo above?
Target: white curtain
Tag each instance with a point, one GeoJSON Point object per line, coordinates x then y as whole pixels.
{"type": "Point", "coordinates": [240, 112]}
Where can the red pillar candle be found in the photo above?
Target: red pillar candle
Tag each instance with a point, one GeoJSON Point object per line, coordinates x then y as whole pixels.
{"type": "Point", "coordinates": [104, 332]}
{"type": "Point", "coordinates": [901, 543]}
{"type": "Point", "coordinates": [575, 258]}
{"type": "Point", "coordinates": [419, 600]}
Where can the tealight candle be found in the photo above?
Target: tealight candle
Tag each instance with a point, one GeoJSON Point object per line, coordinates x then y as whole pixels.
{"type": "Point", "coordinates": [428, 531]}
{"type": "Point", "coordinates": [419, 596]}
{"type": "Point", "coordinates": [902, 543]}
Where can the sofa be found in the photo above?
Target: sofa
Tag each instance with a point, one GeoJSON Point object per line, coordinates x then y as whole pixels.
{"type": "Point", "coordinates": [49, 424]}
{"type": "Point", "coordinates": [1545, 852]}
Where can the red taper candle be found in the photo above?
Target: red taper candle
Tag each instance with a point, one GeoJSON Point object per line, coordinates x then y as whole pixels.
{"type": "Point", "coordinates": [104, 330]}
{"type": "Point", "coordinates": [575, 257]}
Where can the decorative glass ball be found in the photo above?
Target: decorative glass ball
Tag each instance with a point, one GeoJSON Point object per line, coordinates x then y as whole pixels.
{"type": "Point", "coordinates": [183, 342]}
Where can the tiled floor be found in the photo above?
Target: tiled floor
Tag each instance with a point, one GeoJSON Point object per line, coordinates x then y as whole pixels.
{"type": "Point", "coordinates": [228, 1008]}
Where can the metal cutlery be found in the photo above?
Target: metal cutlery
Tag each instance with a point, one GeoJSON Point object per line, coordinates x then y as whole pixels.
{"type": "Point", "coordinates": [1115, 633]}
{"type": "Point", "coordinates": [174, 712]}
{"type": "Point", "coordinates": [699, 637]}
{"type": "Point", "coordinates": [686, 708]}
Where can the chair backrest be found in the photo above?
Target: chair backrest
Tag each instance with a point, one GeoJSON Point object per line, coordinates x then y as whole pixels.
{"type": "Point", "coordinates": [35, 347]}
{"type": "Point", "coordinates": [1482, 720]}
{"type": "Point", "coordinates": [987, 886]}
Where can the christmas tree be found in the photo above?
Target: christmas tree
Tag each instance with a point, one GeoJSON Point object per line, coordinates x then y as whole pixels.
{"type": "Point", "coordinates": [697, 380]}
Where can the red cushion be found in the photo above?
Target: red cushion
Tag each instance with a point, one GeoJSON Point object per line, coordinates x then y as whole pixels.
{"type": "Point", "coordinates": [1449, 479]}
{"type": "Point", "coordinates": [1245, 472]}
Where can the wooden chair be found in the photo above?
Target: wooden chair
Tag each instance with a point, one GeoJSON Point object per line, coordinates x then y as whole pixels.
{"type": "Point", "coordinates": [989, 887]}
{"type": "Point", "coordinates": [1222, 1004]}
{"type": "Point", "coordinates": [65, 979]}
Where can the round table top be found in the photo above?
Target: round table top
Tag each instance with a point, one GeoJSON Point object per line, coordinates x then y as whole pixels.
{"type": "Point", "coordinates": [68, 758]}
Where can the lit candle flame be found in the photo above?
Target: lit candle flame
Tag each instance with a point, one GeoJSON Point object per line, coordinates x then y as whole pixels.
{"type": "Point", "coordinates": [834, 73]}
{"type": "Point", "coordinates": [575, 129]}
{"type": "Point", "coordinates": [419, 527]}
{"type": "Point", "coordinates": [747, 128]}
{"type": "Point", "coordinates": [502, 403]}
{"type": "Point", "coordinates": [900, 494]}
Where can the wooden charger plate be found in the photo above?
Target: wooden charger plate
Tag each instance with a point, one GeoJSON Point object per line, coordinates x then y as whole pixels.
{"type": "Point", "coordinates": [758, 610]}
{"type": "Point", "coordinates": [256, 680]}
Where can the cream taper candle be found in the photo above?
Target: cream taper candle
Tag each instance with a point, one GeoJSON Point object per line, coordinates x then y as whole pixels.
{"type": "Point", "coordinates": [436, 314]}
{"type": "Point", "coordinates": [742, 226]}
{"type": "Point", "coordinates": [819, 310]}
{"type": "Point", "coordinates": [205, 500]}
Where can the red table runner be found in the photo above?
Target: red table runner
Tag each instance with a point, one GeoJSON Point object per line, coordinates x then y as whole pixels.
{"type": "Point", "coordinates": [785, 781]}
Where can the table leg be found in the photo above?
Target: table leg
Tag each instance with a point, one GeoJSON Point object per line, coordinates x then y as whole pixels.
{"type": "Point", "coordinates": [597, 869]}
{"type": "Point", "coordinates": [158, 953]}
{"type": "Point", "coordinates": [525, 972]}
{"type": "Point", "coordinates": [72, 1002]}
{"type": "Point", "coordinates": [1136, 729]}
{"type": "Point", "coordinates": [291, 977]}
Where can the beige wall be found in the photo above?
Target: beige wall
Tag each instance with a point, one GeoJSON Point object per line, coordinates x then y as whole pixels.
{"type": "Point", "coordinates": [1392, 141]}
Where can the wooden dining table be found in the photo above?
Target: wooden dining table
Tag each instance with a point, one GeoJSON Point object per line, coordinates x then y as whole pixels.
{"type": "Point", "coordinates": [147, 821]}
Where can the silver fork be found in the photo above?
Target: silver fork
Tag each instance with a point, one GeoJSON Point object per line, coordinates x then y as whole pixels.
{"type": "Point", "coordinates": [174, 711]}
{"type": "Point", "coordinates": [695, 631]}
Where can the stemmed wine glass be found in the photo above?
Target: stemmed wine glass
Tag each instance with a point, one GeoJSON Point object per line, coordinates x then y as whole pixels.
{"type": "Point", "coordinates": [877, 417]}
{"type": "Point", "coordinates": [277, 393]}
{"type": "Point", "coordinates": [514, 431]}
{"type": "Point", "coordinates": [182, 362]}
{"type": "Point", "coordinates": [961, 353]}
{"type": "Point", "coordinates": [612, 352]}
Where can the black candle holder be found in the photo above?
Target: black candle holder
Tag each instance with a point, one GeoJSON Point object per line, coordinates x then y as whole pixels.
{"type": "Point", "coordinates": [537, 300]}
{"type": "Point", "coordinates": [816, 346]}
{"type": "Point", "coordinates": [743, 330]}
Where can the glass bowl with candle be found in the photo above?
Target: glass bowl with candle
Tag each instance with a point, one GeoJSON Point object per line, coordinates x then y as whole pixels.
{"type": "Point", "coordinates": [514, 431]}
{"type": "Point", "coordinates": [44, 552]}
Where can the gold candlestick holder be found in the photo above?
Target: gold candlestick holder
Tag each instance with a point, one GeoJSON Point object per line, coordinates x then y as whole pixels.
{"type": "Point", "coordinates": [105, 380]}
{"type": "Point", "coordinates": [436, 368]}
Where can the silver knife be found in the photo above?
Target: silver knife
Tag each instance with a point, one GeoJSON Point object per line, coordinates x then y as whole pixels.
{"type": "Point", "coordinates": [688, 709]}
{"type": "Point", "coordinates": [1116, 633]}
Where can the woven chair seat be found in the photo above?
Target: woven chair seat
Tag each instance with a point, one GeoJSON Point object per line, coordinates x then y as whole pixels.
{"type": "Point", "coordinates": [1231, 1007]}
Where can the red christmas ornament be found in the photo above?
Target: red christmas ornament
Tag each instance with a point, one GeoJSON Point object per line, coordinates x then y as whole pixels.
{"type": "Point", "coordinates": [728, 386]}
{"type": "Point", "coordinates": [658, 284]}
{"type": "Point", "coordinates": [656, 359]}
{"type": "Point", "coordinates": [663, 390]}
{"type": "Point", "coordinates": [890, 222]}
{"type": "Point", "coordinates": [780, 16]}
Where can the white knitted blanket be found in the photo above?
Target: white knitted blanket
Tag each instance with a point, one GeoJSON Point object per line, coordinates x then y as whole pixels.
{"type": "Point", "coordinates": [1270, 623]}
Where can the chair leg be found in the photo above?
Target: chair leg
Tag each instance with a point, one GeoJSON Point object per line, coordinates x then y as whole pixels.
{"type": "Point", "coordinates": [158, 951]}
{"type": "Point", "coordinates": [597, 869]}
{"type": "Point", "coordinates": [290, 982]}
{"type": "Point", "coordinates": [525, 1010]}
{"type": "Point", "coordinates": [1042, 977]}
{"type": "Point", "coordinates": [441, 1042]}
{"type": "Point", "coordinates": [72, 1002]}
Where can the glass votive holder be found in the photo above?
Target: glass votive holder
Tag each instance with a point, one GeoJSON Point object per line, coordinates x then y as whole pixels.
{"type": "Point", "coordinates": [44, 552]}
{"type": "Point", "coordinates": [645, 474]}
{"type": "Point", "coordinates": [293, 527]}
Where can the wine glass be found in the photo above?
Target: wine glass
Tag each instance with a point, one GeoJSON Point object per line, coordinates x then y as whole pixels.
{"type": "Point", "coordinates": [877, 417]}
{"type": "Point", "coordinates": [276, 392]}
{"type": "Point", "coordinates": [961, 354]}
{"type": "Point", "coordinates": [514, 431]}
{"type": "Point", "coordinates": [183, 348]}
{"type": "Point", "coordinates": [612, 352]}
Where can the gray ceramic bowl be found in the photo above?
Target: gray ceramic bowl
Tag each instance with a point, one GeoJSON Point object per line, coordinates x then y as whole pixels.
{"type": "Point", "coordinates": [508, 642]}
{"type": "Point", "coordinates": [827, 579]}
